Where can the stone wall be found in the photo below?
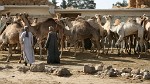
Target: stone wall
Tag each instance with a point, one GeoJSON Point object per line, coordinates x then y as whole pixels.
{"type": "Point", "coordinates": [24, 2]}
{"type": "Point", "coordinates": [139, 3]}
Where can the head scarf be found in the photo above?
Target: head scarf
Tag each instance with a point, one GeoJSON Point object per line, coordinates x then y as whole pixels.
{"type": "Point", "coordinates": [26, 30]}
{"type": "Point", "coordinates": [51, 28]}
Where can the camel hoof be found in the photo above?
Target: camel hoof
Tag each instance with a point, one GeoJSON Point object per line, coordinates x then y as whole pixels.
{"type": "Point", "coordinates": [129, 53]}
{"type": "Point", "coordinates": [19, 62]}
{"type": "Point", "coordinates": [135, 53]}
{"type": "Point", "coordinates": [97, 55]}
{"type": "Point", "coordinates": [41, 58]}
{"type": "Point", "coordinates": [107, 53]}
{"type": "Point", "coordinates": [7, 61]}
{"type": "Point", "coordinates": [74, 55]}
{"type": "Point", "coordinates": [139, 57]}
{"type": "Point", "coordinates": [111, 52]}
{"type": "Point", "coordinates": [102, 53]}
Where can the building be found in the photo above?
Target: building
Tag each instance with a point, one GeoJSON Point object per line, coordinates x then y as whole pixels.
{"type": "Point", "coordinates": [44, 9]}
{"type": "Point", "coordinates": [35, 8]}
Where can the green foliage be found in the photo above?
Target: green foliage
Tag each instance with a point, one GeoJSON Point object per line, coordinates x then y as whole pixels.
{"type": "Point", "coordinates": [80, 4]}
{"type": "Point", "coordinates": [122, 4]}
{"type": "Point", "coordinates": [63, 4]}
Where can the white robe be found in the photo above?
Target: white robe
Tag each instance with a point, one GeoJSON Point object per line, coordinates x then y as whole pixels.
{"type": "Point", "coordinates": [28, 52]}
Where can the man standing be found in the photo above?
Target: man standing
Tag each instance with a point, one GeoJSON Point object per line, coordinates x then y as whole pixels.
{"type": "Point", "coordinates": [27, 46]}
{"type": "Point", "coordinates": [52, 47]}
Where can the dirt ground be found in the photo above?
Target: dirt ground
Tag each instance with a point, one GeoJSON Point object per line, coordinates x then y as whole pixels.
{"type": "Point", "coordinates": [75, 65]}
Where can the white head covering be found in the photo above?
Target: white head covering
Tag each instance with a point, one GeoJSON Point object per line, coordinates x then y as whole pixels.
{"type": "Point", "coordinates": [25, 27]}
{"type": "Point", "coordinates": [51, 28]}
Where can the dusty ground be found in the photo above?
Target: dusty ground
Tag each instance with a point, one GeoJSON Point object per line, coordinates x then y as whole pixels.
{"type": "Point", "coordinates": [75, 65]}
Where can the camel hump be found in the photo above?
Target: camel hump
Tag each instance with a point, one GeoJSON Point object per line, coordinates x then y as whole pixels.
{"type": "Point", "coordinates": [49, 19]}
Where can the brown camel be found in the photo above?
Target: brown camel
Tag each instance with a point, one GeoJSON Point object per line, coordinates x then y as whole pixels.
{"type": "Point", "coordinates": [10, 36]}
{"type": "Point", "coordinates": [80, 30]}
{"type": "Point", "coordinates": [41, 30]}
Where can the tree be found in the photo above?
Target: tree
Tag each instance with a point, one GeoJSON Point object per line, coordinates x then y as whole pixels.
{"type": "Point", "coordinates": [123, 4]}
{"type": "Point", "coordinates": [81, 4]}
{"type": "Point", "coordinates": [63, 4]}
{"type": "Point", "coordinates": [54, 2]}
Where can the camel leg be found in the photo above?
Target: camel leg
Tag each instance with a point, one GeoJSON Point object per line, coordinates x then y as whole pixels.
{"type": "Point", "coordinates": [9, 53]}
{"type": "Point", "coordinates": [66, 45]}
{"type": "Point", "coordinates": [141, 46]}
{"type": "Point", "coordinates": [104, 45]}
{"type": "Point", "coordinates": [98, 48]}
{"type": "Point", "coordinates": [40, 46]}
{"type": "Point", "coordinates": [112, 43]}
{"type": "Point", "coordinates": [20, 48]}
{"type": "Point", "coordinates": [75, 53]}
{"type": "Point", "coordinates": [62, 44]}
{"type": "Point", "coordinates": [82, 49]}
{"type": "Point", "coordinates": [20, 57]}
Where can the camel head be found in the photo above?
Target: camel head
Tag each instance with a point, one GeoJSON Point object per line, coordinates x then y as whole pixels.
{"type": "Point", "coordinates": [3, 18]}
{"type": "Point", "coordinates": [144, 17]}
{"type": "Point", "coordinates": [98, 16]}
{"type": "Point", "coordinates": [24, 19]}
{"type": "Point", "coordinates": [107, 17]}
{"type": "Point", "coordinates": [117, 22]}
{"type": "Point", "coordinates": [67, 21]}
{"type": "Point", "coordinates": [131, 20]}
{"type": "Point", "coordinates": [80, 18]}
{"type": "Point", "coordinates": [6, 18]}
{"type": "Point", "coordinates": [141, 19]}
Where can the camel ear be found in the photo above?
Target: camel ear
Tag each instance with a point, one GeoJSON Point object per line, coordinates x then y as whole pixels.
{"type": "Point", "coordinates": [78, 16]}
{"type": "Point", "coordinates": [8, 13]}
{"type": "Point", "coordinates": [147, 18]}
{"type": "Point", "coordinates": [17, 14]}
{"type": "Point", "coordinates": [20, 14]}
{"type": "Point", "coordinates": [110, 16]}
{"type": "Point", "coordinates": [27, 15]}
{"type": "Point", "coordinates": [104, 16]}
{"type": "Point", "coordinates": [96, 15]}
{"type": "Point", "coordinates": [144, 15]}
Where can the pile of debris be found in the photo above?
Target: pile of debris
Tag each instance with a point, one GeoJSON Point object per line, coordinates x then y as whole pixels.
{"type": "Point", "coordinates": [139, 4]}
{"type": "Point", "coordinates": [109, 71]}
{"type": "Point", "coordinates": [41, 67]}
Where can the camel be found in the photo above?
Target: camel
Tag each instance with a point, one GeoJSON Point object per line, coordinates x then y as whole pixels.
{"type": "Point", "coordinates": [103, 32]}
{"type": "Point", "coordinates": [35, 21]}
{"type": "Point", "coordinates": [10, 36]}
{"type": "Point", "coordinates": [80, 30]}
{"type": "Point", "coordinates": [111, 36]}
{"type": "Point", "coordinates": [41, 30]}
{"type": "Point", "coordinates": [145, 22]}
{"type": "Point", "coordinates": [129, 28]}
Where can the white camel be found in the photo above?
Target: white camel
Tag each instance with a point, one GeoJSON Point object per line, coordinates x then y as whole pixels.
{"type": "Point", "coordinates": [111, 36]}
{"type": "Point", "coordinates": [129, 28]}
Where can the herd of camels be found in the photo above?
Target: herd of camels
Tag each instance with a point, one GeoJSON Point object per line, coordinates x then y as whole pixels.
{"type": "Point", "coordinates": [133, 33]}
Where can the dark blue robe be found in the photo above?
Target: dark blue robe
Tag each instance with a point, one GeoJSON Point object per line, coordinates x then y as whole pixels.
{"type": "Point", "coordinates": [52, 48]}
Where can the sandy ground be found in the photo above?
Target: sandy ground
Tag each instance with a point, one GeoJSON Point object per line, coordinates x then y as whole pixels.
{"type": "Point", "coordinates": [75, 65]}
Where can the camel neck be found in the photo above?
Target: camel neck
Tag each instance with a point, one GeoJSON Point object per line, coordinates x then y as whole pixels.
{"type": "Point", "coordinates": [99, 22]}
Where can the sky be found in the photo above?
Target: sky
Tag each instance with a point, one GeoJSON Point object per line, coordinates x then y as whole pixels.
{"type": "Point", "coordinates": [101, 4]}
